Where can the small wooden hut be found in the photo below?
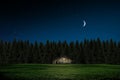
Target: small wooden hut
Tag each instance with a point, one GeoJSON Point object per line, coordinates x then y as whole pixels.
{"type": "Point", "coordinates": [62, 60]}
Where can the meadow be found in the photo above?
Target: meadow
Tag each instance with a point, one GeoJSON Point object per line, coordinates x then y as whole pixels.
{"type": "Point", "coordinates": [60, 72]}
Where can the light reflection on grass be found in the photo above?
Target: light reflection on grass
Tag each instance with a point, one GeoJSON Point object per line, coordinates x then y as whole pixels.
{"type": "Point", "coordinates": [61, 71]}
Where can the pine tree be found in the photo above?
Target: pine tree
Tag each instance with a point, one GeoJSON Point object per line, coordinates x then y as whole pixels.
{"type": "Point", "coordinates": [1, 51]}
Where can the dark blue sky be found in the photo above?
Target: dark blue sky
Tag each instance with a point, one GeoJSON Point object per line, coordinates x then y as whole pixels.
{"type": "Point", "coordinates": [60, 20]}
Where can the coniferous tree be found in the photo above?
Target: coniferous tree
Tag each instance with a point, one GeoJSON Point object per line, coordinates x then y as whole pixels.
{"type": "Point", "coordinates": [87, 52]}
{"type": "Point", "coordinates": [1, 52]}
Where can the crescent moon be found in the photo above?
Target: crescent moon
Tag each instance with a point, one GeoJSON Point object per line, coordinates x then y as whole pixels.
{"type": "Point", "coordinates": [84, 23]}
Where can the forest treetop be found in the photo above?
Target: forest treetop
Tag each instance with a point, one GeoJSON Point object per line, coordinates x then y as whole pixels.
{"type": "Point", "coordinates": [86, 52]}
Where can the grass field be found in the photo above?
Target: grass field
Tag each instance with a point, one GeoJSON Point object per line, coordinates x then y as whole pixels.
{"type": "Point", "coordinates": [60, 72]}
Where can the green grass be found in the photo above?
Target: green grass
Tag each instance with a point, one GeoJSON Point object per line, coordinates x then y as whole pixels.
{"type": "Point", "coordinates": [60, 71]}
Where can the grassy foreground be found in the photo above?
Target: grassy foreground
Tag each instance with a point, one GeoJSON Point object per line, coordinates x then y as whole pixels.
{"type": "Point", "coordinates": [60, 72]}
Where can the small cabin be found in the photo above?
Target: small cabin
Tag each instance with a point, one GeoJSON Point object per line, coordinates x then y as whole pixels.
{"type": "Point", "coordinates": [62, 60]}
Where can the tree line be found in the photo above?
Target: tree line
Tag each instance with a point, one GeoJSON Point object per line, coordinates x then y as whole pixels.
{"type": "Point", "coordinates": [86, 52]}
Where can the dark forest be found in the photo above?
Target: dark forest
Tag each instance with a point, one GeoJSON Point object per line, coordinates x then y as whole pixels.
{"type": "Point", "coordinates": [86, 52]}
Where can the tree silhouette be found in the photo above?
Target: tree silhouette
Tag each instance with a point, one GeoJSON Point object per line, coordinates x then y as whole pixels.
{"type": "Point", "coordinates": [86, 52]}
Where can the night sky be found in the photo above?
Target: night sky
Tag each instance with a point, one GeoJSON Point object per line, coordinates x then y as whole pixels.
{"type": "Point", "coordinates": [56, 20]}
